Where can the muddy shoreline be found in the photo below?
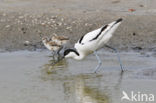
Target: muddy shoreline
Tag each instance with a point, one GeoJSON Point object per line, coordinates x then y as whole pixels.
{"type": "Point", "coordinates": [22, 21]}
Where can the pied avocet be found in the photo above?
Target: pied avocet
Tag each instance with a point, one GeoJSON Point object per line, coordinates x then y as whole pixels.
{"type": "Point", "coordinates": [93, 41]}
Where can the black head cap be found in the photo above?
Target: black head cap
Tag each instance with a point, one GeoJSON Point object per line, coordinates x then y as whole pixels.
{"type": "Point", "coordinates": [66, 52]}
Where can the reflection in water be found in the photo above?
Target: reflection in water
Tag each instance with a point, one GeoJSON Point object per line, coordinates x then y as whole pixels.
{"type": "Point", "coordinates": [53, 66]}
{"type": "Point", "coordinates": [79, 91]}
{"type": "Point", "coordinates": [83, 88]}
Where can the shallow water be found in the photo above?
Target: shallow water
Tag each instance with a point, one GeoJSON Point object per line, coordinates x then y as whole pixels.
{"type": "Point", "coordinates": [30, 77]}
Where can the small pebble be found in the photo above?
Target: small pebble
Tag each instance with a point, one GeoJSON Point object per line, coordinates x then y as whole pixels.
{"type": "Point", "coordinates": [53, 21]}
{"type": "Point", "coordinates": [43, 24]}
{"type": "Point", "coordinates": [21, 17]}
{"type": "Point", "coordinates": [141, 5]}
{"type": "Point", "coordinates": [62, 19]}
{"type": "Point", "coordinates": [7, 26]}
{"type": "Point", "coordinates": [4, 14]}
{"type": "Point", "coordinates": [131, 10]}
{"type": "Point", "coordinates": [64, 24]}
{"type": "Point", "coordinates": [26, 43]}
{"type": "Point", "coordinates": [69, 27]}
{"type": "Point", "coordinates": [48, 22]}
{"type": "Point", "coordinates": [86, 24]}
{"type": "Point", "coordinates": [59, 23]}
{"type": "Point", "coordinates": [114, 2]}
{"type": "Point", "coordinates": [74, 22]}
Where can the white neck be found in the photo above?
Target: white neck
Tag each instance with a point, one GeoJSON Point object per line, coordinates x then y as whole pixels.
{"type": "Point", "coordinates": [80, 57]}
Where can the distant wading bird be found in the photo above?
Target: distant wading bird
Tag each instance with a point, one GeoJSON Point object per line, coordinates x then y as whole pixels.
{"type": "Point", "coordinates": [61, 40]}
{"type": "Point", "coordinates": [52, 45]}
{"type": "Point", "coordinates": [93, 41]}
{"type": "Point", "coordinates": [55, 44]}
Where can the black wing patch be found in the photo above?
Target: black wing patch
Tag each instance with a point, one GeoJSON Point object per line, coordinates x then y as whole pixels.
{"type": "Point", "coordinates": [100, 32]}
{"type": "Point", "coordinates": [117, 21]}
{"type": "Point", "coordinates": [81, 39]}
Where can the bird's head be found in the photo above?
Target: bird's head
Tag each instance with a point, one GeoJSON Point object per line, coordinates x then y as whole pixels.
{"type": "Point", "coordinates": [54, 36]}
{"type": "Point", "coordinates": [44, 39]}
{"type": "Point", "coordinates": [70, 53]}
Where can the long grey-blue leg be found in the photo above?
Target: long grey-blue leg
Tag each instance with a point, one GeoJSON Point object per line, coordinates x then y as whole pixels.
{"type": "Point", "coordinates": [117, 56]}
{"type": "Point", "coordinates": [58, 53]}
{"type": "Point", "coordinates": [53, 55]}
{"type": "Point", "coordinates": [99, 62]}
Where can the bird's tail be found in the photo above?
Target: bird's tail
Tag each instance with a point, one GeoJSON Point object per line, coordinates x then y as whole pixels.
{"type": "Point", "coordinates": [113, 26]}
{"type": "Point", "coordinates": [116, 22]}
{"type": "Point", "coordinates": [119, 20]}
{"type": "Point", "coordinates": [109, 30]}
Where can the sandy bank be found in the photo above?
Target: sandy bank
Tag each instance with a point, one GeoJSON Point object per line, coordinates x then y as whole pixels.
{"type": "Point", "coordinates": [30, 20]}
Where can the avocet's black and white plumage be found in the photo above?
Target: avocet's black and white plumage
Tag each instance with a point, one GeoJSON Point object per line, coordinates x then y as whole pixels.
{"type": "Point", "coordinates": [93, 41]}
